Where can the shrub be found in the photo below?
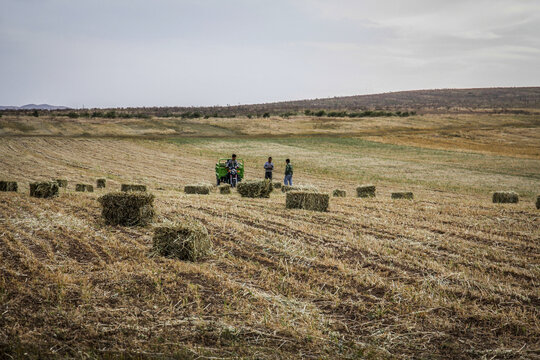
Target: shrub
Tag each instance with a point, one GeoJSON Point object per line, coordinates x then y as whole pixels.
{"type": "Point", "coordinates": [35, 113]}
{"type": "Point", "coordinates": [72, 115]}
{"type": "Point", "coordinates": [255, 188]}
{"type": "Point", "coordinates": [44, 189]}
{"type": "Point", "coordinates": [188, 240]}
{"type": "Point", "coordinates": [505, 197]}
{"type": "Point", "coordinates": [307, 200]}
{"type": "Point", "coordinates": [110, 114]}
{"type": "Point", "coordinates": [266, 115]}
{"type": "Point", "coordinates": [127, 208]}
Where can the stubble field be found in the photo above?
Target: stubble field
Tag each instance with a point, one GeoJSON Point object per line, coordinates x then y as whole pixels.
{"type": "Point", "coordinates": [447, 275]}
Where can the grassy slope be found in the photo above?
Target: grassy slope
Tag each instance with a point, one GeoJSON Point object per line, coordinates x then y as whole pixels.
{"type": "Point", "coordinates": [449, 275]}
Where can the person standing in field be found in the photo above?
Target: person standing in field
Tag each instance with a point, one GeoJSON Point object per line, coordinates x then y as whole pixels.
{"type": "Point", "coordinates": [288, 173]}
{"type": "Point", "coordinates": [268, 168]}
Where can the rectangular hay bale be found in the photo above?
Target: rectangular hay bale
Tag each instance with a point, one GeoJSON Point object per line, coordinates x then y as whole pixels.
{"type": "Point", "coordinates": [307, 200]}
{"type": "Point", "coordinates": [203, 189]}
{"type": "Point", "coordinates": [45, 189]}
{"type": "Point", "coordinates": [84, 188]}
{"type": "Point", "coordinates": [62, 183]}
{"type": "Point", "coordinates": [505, 197]}
{"type": "Point", "coordinates": [101, 183]}
{"type": "Point", "coordinates": [339, 193]}
{"type": "Point", "coordinates": [255, 188]}
{"type": "Point", "coordinates": [133, 187]}
{"type": "Point", "coordinates": [364, 191]}
{"type": "Point", "coordinates": [127, 208]}
{"type": "Point", "coordinates": [224, 189]}
{"type": "Point", "coordinates": [187, 240]}
{"type": "Point", "coordinates": [8, 186]}
{"type": "Point", "coordinates": [402, 195]}
{"type": "Point", "coordinates": [538, 202]}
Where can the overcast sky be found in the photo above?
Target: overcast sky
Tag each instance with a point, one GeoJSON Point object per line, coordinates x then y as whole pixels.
{"type": "Point", "coordinates": [108, 53]}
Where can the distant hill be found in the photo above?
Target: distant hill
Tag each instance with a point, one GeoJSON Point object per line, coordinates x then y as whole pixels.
{"type": "Point", "coordinates": [461, 100]}
{"type": "Point", "coordinates": [34, 107]}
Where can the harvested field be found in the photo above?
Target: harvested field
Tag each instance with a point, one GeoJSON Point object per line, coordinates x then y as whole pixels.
{"type": "Point", "coordinates": [450, 275]}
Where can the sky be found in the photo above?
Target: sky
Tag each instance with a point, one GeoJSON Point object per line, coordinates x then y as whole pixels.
{"type": "Point", "coordinates": [120, 53]}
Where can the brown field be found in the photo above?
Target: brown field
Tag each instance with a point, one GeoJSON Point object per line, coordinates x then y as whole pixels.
{"type": "Point", "coordinates": [449, 275]}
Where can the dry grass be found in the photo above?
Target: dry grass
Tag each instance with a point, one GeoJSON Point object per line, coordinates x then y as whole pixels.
{"type": "Point", "coordinates": [450, 275]}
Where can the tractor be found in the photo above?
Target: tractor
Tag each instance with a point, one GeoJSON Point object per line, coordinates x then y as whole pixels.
{"type": "Point", "coordinates": [226, 177]}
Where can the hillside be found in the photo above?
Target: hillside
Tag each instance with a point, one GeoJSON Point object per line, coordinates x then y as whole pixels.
{"type": "Point", "coordinates": [443, 100]}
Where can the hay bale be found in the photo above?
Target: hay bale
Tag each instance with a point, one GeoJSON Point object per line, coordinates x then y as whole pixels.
{"type": "Point", "coordinates": [101, 183]}
{"type": "Point", "coordinates": [339, 193]}
{"type": "Point", "coordinates": [133, 187]}
{"type": "Point", "coordinates": [8, 186]}
{"type": "Point", "coordinates": [255, 188]}
{"type": "Point", "coordinates": [62, 183]}
{"type": "Point", "coordinates": [364, 191]}
{"type": "Point", "coordinates": [307, 200]}
{"type": "Point", "coordinates": [538, 202]}
{"type": "Point", "coordinates": [127, 208]}
{"type": "Point", "coordinates": [224, 189]}
{"type": "Point", "coordinates": [403, 195]}
{"type": "Point", "coordinates": [276, 185]}
{"type": "Point", "coordinates": [203, 189]}
{"type": "Point", "coordinates": [187, 240]}
{"type": "Point", "coordinates": [502, 197]}
{"type": "Point", "coordinates": [287, 188]}
{"type": "Point", "coordinates": [44, 189]}
{"type": "Point", "coordinates": [84, 188]}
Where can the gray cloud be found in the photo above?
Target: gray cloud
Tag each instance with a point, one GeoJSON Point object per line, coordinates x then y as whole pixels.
{"type": "Point", "coordinates": [165, 52]}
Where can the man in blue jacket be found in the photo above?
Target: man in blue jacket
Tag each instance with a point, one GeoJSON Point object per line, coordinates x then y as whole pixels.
{"type": "Point", "coordinates": [268, 168]}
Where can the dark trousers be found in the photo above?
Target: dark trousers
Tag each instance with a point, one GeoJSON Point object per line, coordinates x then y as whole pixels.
{"type": "Point", "coordinates": [268, 175]}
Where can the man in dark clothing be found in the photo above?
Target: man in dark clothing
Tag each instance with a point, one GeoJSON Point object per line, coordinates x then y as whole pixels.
{"type": "Point", "coordinates": [268, 168]}
{"type": "Point", "coordinates": [288, 173]}
{"type": "Point", "coordinates": [232, 163]}
{"type": "Point", "coordinates": [232, 169]}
